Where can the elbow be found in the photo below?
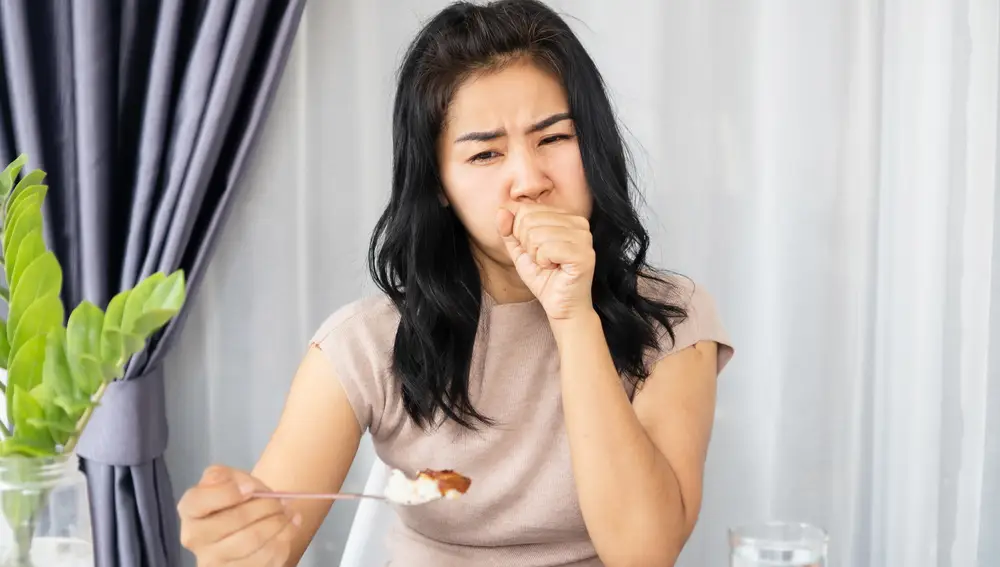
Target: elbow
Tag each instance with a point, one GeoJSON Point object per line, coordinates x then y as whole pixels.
{"type": "Point", "coordinates": [647, 550]}
{"type": "Point", "coordinates": [659, 556]}
{"type": "Point", "coordinates": [651, 532]}
{"type": "Point", "coordinates": [653, 544]}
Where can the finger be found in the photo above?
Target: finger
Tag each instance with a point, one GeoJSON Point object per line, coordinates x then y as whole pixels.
{"type": "Point", "coordinates": [216, 527]}
{"type": "Point", "coordinates": [505, 222]}
{"type": "Point", "coordinates": [251, 539]}
{"type": "Point", "coordinates": [505, 227]}
{"type": "Point", "coordinates": [566, 254]}
{"type": "Point", "coordinates": [216, 474]}
{"type": "Point", "coordinates": [538, 235]}
{"type": "Point", "coordinates": [202, 501]}
{"type": "Point", "coordinates": [525, 222]}
{"type": "Point", "coordinates": [220, 488]}
{"type": "Point", "coordinates": [275, 552]}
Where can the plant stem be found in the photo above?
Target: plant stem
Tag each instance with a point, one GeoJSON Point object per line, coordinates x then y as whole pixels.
{"type": "Point", "coordinates": [24, 536]}
{"type": "Point", "coordinates": [95, 399]}
{"type": "Point", "coordinates": [3, 427]}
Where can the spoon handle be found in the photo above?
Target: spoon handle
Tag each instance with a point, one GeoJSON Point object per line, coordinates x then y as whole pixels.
{"type": "Point", "coordinates": [316, 496]}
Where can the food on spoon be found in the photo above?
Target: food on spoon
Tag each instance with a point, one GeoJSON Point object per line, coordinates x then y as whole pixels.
{"type": "Point", "coordinates": [429, 485]}
{"type": "Point", "coordinates": [450, 483]}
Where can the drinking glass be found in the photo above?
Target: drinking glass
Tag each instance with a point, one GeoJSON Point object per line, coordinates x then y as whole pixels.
{"type": "Point", "coordinates": [777, 544]}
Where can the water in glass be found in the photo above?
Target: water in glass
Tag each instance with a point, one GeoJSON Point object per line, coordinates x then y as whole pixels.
{"type": "Point", "coordinates": [776, 544]}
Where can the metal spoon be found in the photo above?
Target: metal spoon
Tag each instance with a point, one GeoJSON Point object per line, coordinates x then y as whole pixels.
{"type": "Point", "coordinates": [317, 496]}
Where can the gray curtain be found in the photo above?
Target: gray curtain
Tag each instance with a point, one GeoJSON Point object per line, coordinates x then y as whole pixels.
{"type": "Point", "coordinates": [143, 113]}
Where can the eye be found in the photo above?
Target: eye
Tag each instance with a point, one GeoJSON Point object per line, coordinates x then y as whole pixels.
{"type": "Point", "coordinates": [483, 156]}
{"type": "Point", "coordinates": [555, 138]}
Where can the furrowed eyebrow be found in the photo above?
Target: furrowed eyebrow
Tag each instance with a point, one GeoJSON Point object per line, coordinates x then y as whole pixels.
{"type": "Point", "coordinates": [499, 133]}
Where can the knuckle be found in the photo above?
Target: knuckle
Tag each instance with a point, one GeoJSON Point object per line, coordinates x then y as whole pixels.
{"type": "Point", "coordinates": [263, 507]}
{"type": "Point", "coordinates": [255, 538]}
{"type": "Point", "coordinates": [243, 515]}
{"type": "Point", "coordinates": [262, 533]}
{"type": "Point", "coordinates": [184, 504]}
{"type": "Point", "coordinates": [186, 541]}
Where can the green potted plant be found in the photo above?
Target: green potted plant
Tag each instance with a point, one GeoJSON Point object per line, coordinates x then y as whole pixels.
{"type": "Point", "coordinates": [57, 369]}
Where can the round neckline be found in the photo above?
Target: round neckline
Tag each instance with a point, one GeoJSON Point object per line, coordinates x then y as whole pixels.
{"type": "Point", "coordinates": [491, 301]}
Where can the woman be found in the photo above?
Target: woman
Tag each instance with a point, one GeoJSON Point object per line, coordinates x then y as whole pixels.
{"type": "Point", "coordinates": [521, 339]}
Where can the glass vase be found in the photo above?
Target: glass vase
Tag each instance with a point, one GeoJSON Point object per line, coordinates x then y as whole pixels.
{"type": "Point", "coordinates": [45, 513]}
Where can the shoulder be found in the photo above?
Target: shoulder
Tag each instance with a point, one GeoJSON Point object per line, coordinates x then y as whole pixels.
{"type": "Point", "coordinates": [680, 292]}
{"type": "Point", "coordinates": [702, 320]}
{"type": "Point", "coordinates": [358, 339]}
{"type": "Point", "coordinates": [370, 321]}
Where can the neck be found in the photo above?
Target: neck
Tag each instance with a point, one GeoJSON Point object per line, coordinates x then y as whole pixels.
{"type": "Point", "coordinates": [500, 281]}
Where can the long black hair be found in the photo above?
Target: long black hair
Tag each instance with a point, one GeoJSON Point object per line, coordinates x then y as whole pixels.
{"type": "Point", "coordinates": [420, 255]}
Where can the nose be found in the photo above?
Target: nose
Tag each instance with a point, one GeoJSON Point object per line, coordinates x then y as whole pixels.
{"type": "Point", "coordinates": [530, 181]}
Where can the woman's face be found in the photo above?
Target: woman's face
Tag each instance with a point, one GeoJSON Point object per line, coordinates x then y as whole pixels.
{"type": "Point", "coordinates": [507, 140]}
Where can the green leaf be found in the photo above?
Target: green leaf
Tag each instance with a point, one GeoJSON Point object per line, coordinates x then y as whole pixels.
{"type": "Point", "coordinates": [43, 393]}
{"type": "Point", "coordinates": [112, 342]}
{"type": "Point", "coordinates": [42, 278]}
{"type": "Point", "coordinates": [57, 375]}
{"type": "Point", "coordinates": [30, 207]}
{"type": "Point", "coordinates": [88, 375]}
{"type": "Point", "coordinates": [137, 300]}
{"type": "Point", "coordinates": [24, 205]}
{"type": "Point", "coordinates": [54, 427]}
{"type": "Point", "coordinates": [4, 345]}
{"type": "Point", "coordinates": [5, 294]}
{"type": "Point", "coordinates": [150, 321]}
{"type": "Point", "coordinates": [74, 407]}
{"type": "Point", "coordinates": [112, 349]}
{"type": "Point", "coordinates": [161, 306]}
{"type": "Point", "coordinates": [83, 347]}
{"type": "Point", "coordinates": [39, 318]}
{"type": "Point", "coordinates": [25, 369]}
{"type": "Point", "coordinates": [32, 247]}
{"type": "Point", "coordinates": [27, 409]}
{"type": "Point", "coordinates": [31, 189]}
{"type": "Point", "coordinates": [110, 372]}
{"type": "Point", "coordinates": [60, 424]}
{"type": "Point", "coordinates": [116, 310]}
{"type": "Point", "coordinates": [168, 295]}
{"type": "Point", "coordinates": [31, 179]}
{"type": "Point", "coordinates": [12, 446]}
{"type": "Point", "coordinates": [9, 174]}
{"type": "Point", "coordinates": [132, 344]}
{"type": "Point", "coordinates": [83, 332]}
{"type": "Point", "coordinates": [27, 216]}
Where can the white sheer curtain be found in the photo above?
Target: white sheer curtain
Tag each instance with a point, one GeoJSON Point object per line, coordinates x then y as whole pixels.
{"type": "Point", "coordinates": [826, 168]}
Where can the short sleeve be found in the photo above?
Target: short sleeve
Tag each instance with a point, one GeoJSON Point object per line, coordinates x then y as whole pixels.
{"type": "Point", "coordinates": [354, 339]}
{"type": "Point", "coordinates": [702, 323]}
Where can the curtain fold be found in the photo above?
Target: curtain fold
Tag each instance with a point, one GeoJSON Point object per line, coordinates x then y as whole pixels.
{"type": "Point", "coordinates": [142, 113]}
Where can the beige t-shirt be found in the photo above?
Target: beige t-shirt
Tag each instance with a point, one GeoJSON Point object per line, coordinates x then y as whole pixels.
{"type": "Point", "coordinates": [522, 508]}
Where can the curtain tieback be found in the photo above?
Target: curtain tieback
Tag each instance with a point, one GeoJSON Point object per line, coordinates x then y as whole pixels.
{"type": "Point", "coordinates": [129, 427]}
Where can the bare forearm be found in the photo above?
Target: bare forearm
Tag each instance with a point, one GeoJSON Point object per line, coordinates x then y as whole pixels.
{"type": "Point", "coordinates": [629, 496]}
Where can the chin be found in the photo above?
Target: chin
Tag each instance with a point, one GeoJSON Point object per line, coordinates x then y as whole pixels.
{"type": "Point", "coordinates": [495, 253]}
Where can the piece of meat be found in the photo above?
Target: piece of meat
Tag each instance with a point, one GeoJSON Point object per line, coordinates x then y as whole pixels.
{"type": "Point", "coordinates": [447, 480]}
